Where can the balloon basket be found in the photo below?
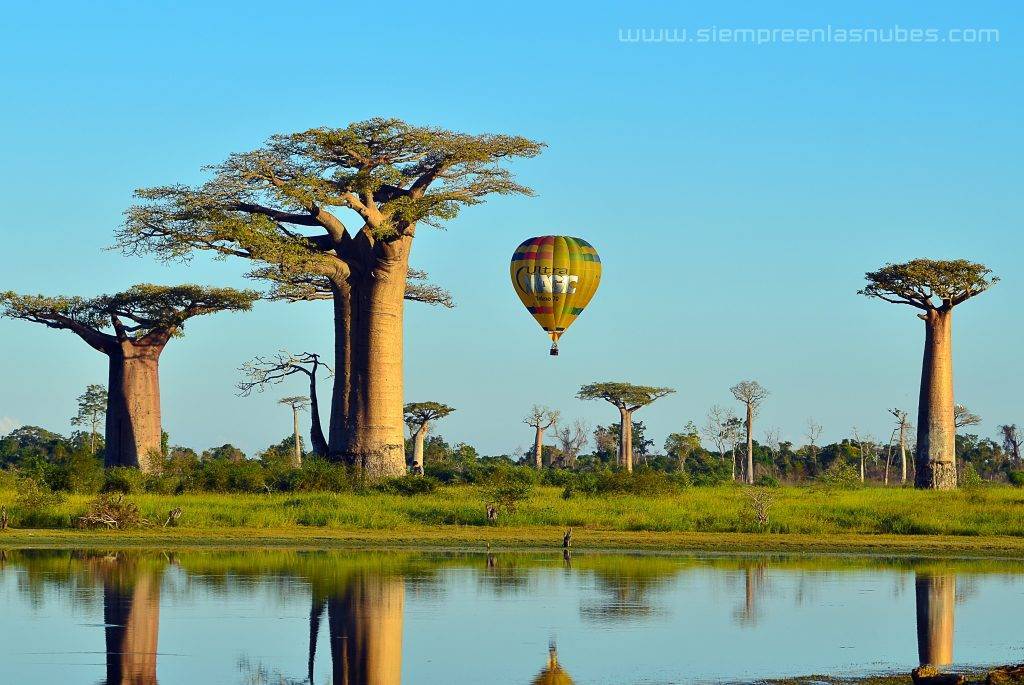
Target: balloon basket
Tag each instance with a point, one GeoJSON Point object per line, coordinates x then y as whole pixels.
{"type": "Point", "coordinates": [554, 350]}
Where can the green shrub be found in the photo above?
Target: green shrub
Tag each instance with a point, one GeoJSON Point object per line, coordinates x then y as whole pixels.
{"type": "Point", "coordinates": [969, 477]}
{"type": "Point", "coordinates": [319, 475]}
{"type": "Point", "coordinates": [840, 476]}
{"type": "Point", "coordinates": [767, 481]}
{"type": "Point", "coordinates": [1016, 478]}
{"type": "Point", "coordinates": [34, 496]}
{"type": "Point", "coordinates": [124, 479]}
{"type": "Point", "coordinates": [507, 487]}
{"type": "Point", "coordinates": [409, 485]}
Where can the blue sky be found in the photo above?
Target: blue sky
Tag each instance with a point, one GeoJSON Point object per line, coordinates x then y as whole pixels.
{"type": "Point", "coordinates": [736, 192]}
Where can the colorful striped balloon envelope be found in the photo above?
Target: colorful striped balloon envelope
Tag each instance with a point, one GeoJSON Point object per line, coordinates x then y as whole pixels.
{"type": "Point", "coordinates": [555, 276]}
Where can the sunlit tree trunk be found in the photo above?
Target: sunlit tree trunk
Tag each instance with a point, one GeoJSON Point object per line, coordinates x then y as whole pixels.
{"type": "Point", "coordinates": [366, 631]}
{"type": "Point", "coordinates": [133, 426]}
{"type": "Point", "coordinates": [750, 443]}
{"type": "Point", "coordinates": [936, 430]}
{"type": "Point", "coordinates": [132, 618]}
{"type": "Point", "coordinates": [538, 447]}
{"type": "Point", "coordinates": [626, 439]}
{"type": "Point", "coordinates": [297, 448]}
{"type": "Point", "coordinates": [936, 597]}
{"type": "Point", "coordinates": [903, 453]}
{"type": "Point", "coordinates": [417, 444]}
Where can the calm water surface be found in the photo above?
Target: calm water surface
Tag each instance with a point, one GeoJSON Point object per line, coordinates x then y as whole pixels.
{"type": "Point", "coordinates": [387, 618]}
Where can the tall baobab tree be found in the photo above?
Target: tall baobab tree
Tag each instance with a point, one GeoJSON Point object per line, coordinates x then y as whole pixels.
{"type": "Point", "coordinates": [92, 407]}
{"type": "Point", "coordinates": [751, 394]}
{"type": "Point", "coordinates": [540, 419]}
{"type": "Point", "coordinates": [627, 398]}
{"type": "Point", "coordinates": [902, 425]}
{"type": "Point", "coordinates": [132, 328]}
{"type": "Point", "coordinates": [571, 440]}
{"type": "Point", "coordinates": [297, 403]}
{"type": "Point", "coordinates": [934, 287]}
{"type": "Point", "coordinates": [283, 206]}
{"type": "Point", "coordinates": [418, 416]}
{"type": "Point", "coordinates": [262, 372]}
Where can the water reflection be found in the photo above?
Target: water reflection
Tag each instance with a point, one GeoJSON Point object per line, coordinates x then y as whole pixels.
{"type": "Point", "coordinates": [936, 596]}
{"type": "Point", "coordinates": [384, 619]}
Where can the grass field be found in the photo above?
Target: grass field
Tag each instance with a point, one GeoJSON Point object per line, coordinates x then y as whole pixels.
{"type": "Point", "coordinates": [985, 520]}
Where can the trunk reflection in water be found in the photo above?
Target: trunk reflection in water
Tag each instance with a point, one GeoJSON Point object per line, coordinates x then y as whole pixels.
{"type": "Point", "coordinates": [359, 618]}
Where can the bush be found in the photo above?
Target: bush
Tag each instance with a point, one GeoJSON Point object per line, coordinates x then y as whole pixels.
{"type": "Point", "coordinates": [507, 487]}
{"type": "Point", "coordinates": [969, 477]}
{"type": "Point", "coordinates": [1016, 478]}
{"type": "Point", "coordinates": [34, 496]}
{"type": "Point", "coordinates": [124, 479]}
{"type": "Point", "coordinates": [840, 476]}
{"type": "Point", "coordinates": [409, 485]}
{"type": "Point", "coordinates": [319, 475]}
{"type": "Point", "coordinates": [768, 481]}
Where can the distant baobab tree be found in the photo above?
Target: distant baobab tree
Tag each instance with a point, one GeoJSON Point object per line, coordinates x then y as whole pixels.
{"type": "Point", "coordinates": [627, 398]}
{"type": "Point", "coordinates": [131, 328]}
{"type": "Point", "coordinates": [418, 416]}
{"type": "Point", "coordinates": [935, 287]}
{"type": "Point", "coordinates": [1011, 441]}
{"type": "Point", "coordinates": [751, 394]}
{"type": "Point", "coordinates": [902, 425]}
{"type": "Point", "coordinates": [285, 207]}
{"type": "Point", "coordinates": [813, 433]}
{"type": "Point", "coordinates": [92, 407]}
{"type": "Point", "coordinates": [262, 372]}
{"type": "Point", "coordinates": [540, 419]}
{"type": "Point", "coordinates": [297, 403]}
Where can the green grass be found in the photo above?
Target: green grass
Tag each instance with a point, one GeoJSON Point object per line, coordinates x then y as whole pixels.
{"type": "Point", "coordinates": [457, 512]}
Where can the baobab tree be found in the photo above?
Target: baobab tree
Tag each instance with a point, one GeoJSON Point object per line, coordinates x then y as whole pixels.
{"type": "Point", "coordinates": [571, 440]}
{"type": "Point", "coordinates": [282, 206]}
{"type": "Point", "coordinates": [297, 403]}
{"type": "Point", "coordinates": [132, 328]}
{"type": "Point", "coordinates": [627, 398]}
{"type": "Point", "coordinates": [902, 425]}
{"type": "Point", "coordinates": [418, 416]}
{"type": "Point", "coordinates": [92, 407]}
{"type": "Point", "coordinates": [934, 287]}
{"type": "Point", "coordinates": [751, 394]}
{"type": "Point", "coordinates": [540, 419]}
{"type": "Point", "coordinates": [1011, 441]}
{"type": "Point", "coordinates": [262, 372]}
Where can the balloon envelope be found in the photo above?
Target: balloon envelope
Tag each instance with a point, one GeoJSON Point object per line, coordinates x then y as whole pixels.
{"type": "Point", "coordinates": [555, 276]}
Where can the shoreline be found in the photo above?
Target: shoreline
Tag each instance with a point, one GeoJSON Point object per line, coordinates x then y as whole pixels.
{"type": "Point", "coordinates": [524, 539]}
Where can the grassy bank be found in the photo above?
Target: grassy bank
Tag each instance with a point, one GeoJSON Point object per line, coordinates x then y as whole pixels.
{"type": "Point", "coordinates": [981, 521]}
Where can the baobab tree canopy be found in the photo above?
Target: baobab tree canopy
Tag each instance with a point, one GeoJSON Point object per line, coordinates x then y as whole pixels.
{"type": "Point", "coordinates": [419, 413]}
{"type": "Point", "coordinates": [627, 398]}
{"type": "Point", "coordinates": [278, 205]}
{"type": "Point", "coordinates": [131, 328]}
{"type": "Point", "coordinates": [935, 287]}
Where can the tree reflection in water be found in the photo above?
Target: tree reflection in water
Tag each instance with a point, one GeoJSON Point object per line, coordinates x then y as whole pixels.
{"type": "Point", "coordinates": [936, 597]}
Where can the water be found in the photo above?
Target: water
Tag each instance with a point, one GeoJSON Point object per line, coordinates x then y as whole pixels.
{"type": "Point", "coordinates": [380, 618]}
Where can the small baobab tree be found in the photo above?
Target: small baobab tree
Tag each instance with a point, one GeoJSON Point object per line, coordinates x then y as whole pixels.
{"type": "Point", "coordinates": [540, 419]}
{"type": "Point", "coordinates": [572, 438]}
{"type": "Point", "coordinates": [131, 328]}
{"type": "Point", "coordinates": [751, 394]}
{"type": "Point", "coordinates": [418, 416]}
{"type": "Point", "coordinates": [92, 407]}
{"type": "Point", "coordinates": [262, 372]}
{"type": "Point", "coordinates": [627, 398]}
{"type": "Point", "coordinates": [935, 287]}
{"type": "Point", "coordinates": [297, 403]}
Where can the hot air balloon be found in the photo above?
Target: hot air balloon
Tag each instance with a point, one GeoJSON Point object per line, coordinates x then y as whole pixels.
{"type": "Point", "coordinates": [555, 276]}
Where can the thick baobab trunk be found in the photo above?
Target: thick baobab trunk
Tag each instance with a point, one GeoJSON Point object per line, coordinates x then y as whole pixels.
{"type": "Point", "coordinates": [626, 439]}
{"type": "Point", "coordinates": [297, 447]}
{"type": "Point", "coordinates": [750, 443]}
{"type": "Point", "coordinates": [132, 618]}
{"type": "Point", "coordinates": [417, 445]}
{"type": "Point", "coordinates": [936, 595]}
{"type": "Point", "coordinates": [366, 631]}
{"type": "Point", "coordinates": [376, 439]}
{"type": "Point", "coordinates": [538, 447]}
{"type": "Point", "coordinates": [133, 408]}
{"type": "Point", "coordinates": [936, 430]}
{"type": "Point", "coordinates": [339, 429]}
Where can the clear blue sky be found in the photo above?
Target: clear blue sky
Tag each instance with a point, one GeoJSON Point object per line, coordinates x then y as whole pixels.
{"type": "Point", "coordinates": [736, 193]}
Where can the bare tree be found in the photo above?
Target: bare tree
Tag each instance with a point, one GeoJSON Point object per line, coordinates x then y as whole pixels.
{"type": "Point", "coordinates": [263, 372]}
{"type": "Point", "coordinates": [865, 448]}
{"type": "Point", "coordinates": [540, 419]}
{"type": "Point", "coordinates": [902, 426]}
{"type": "Point", "coordinates": [571, 440]}
{"type": "Point", "coordinates": [297, 403]}
{"type": "Point", "coordinates": [813, 434]}
{"type": "Point", "coordinates": [963, 417]}
{"type": "Point", "coordinates": [1011, 441]}
{"type": "Point", "coordinates": [773, 441]}
{"type": "Point", "coordinates": [751, 394]}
